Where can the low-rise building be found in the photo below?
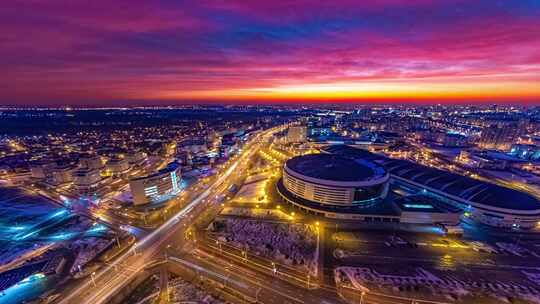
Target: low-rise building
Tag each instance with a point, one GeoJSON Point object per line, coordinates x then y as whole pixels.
{"type": "Point", "coordinates": [63, 174]}
{"type": "Point", "coordinates": [87, 180]}
{"type": "Point", "coordinates": [118, 166]}
{"type": "Point", "coordinates": [91, 161]}
{"type": "Point", "coordinates": [136, 158]}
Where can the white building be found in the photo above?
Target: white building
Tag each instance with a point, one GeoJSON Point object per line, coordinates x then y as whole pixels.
{"type": "Point", "coordinates": [333, 180]}
{"type": "Point", "coordinates": [160, 186]}
{"type": "Point", "coordinates": [87, 180]}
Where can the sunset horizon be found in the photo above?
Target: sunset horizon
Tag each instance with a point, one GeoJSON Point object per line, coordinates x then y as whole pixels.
{"type": "Point", "coordinates": [297, 51]}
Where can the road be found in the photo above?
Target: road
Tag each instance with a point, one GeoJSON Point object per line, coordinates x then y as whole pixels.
{"type": "Point", "coordinates": [254, 284]}
{"type": "Point", "coordinates": [106, 282]}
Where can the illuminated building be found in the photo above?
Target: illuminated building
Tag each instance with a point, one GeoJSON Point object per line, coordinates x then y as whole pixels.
{"type": "Point", "coordinates": [159, 186]}
{"type": "Point", "coordinates": [118, 166]}
{"type": "Point", "coordinates": [525, 151]}
{"type": "Point", "coordinates": [136, 158]}
{"type": "Point", "coordinates": [42, 169]}
{"type": "Point", "coordinates": [63, 174]}
{"type": "Point", "coordinates": [329, 179]}
{"type": "Point", "coordinates": [87, 180]}
{"type": "Point", "coordinates": [297, 134]}
{"type": "Point", "coordinates": [480, 201]}
{"type": "Point", "coordinates": [52, 172]}
{"type": "Point", "coordinates": [91, 161]}
{"type": "Point", "coordinates": [355, 189]}
{"type": "Point", "coordinates": [499, 136]}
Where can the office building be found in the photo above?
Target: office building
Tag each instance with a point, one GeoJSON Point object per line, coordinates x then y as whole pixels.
{"type": "Point", "coordinates": [157, 187]}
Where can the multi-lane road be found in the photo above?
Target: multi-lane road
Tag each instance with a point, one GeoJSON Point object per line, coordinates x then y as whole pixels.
{"type": "Point", "coordinates": [101, 285]}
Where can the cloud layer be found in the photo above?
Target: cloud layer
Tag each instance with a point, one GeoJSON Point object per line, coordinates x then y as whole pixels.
{"type": "Point", "coordinates": [98, 52]}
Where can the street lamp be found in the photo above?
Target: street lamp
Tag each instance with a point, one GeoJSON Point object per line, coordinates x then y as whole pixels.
{"type": "Point", "coordinates": [362, 297]}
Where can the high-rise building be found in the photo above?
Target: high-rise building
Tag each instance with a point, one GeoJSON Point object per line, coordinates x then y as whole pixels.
{"type": "Point", "coordinates": [42, 169]}
{"type": "Point", "coordinates": [523, 126]}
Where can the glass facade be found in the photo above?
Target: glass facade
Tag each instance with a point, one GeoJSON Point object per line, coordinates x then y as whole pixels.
{"type": "Point", "coordinates": [368, 194]}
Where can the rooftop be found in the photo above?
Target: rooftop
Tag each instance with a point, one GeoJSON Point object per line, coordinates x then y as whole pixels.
{"type": "Point", "coordinates": [335, 168]}
{"type": "Point", "coordinates": [463, 187]}
{"type": "Point", "coordinates": [351, 152]}
{"type": "Point", "coordinates": [457, 185]}
{"type": "Point", "coordinates": [169, 168]}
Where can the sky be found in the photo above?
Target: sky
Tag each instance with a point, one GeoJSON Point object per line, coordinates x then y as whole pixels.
{"type": "Point", "coordinates": [166, 52]}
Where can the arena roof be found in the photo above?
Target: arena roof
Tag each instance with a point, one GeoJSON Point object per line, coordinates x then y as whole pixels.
{"type": "Point", "coordinates": [335, 168]}
{"type": "Point", "coordinates": [464, 187]}
{"type": "Point", "coordinates": [348, 151]}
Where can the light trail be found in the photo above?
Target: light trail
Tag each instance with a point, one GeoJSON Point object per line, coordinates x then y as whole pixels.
{"type": "Point", "coordinates": [202, 269]}
{"type": "Point", "coordinates": [116, 279]}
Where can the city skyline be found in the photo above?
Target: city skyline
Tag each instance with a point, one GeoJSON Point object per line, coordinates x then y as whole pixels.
{"type": "Point", "coordinates": [136, 53]}
{"type": "Point", "coordinates": [270, 204]}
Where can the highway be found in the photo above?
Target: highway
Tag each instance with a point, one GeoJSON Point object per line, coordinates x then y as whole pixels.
{"type": "Point", "coordinates": [101, 285]}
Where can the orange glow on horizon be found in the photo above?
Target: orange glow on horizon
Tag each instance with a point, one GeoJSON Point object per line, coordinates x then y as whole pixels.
{"type": "Point", "coordinates": [371, 90]}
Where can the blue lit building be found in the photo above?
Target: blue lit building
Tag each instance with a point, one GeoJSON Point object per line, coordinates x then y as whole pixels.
{"type": "Point", "coordinates": [157, 187]}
